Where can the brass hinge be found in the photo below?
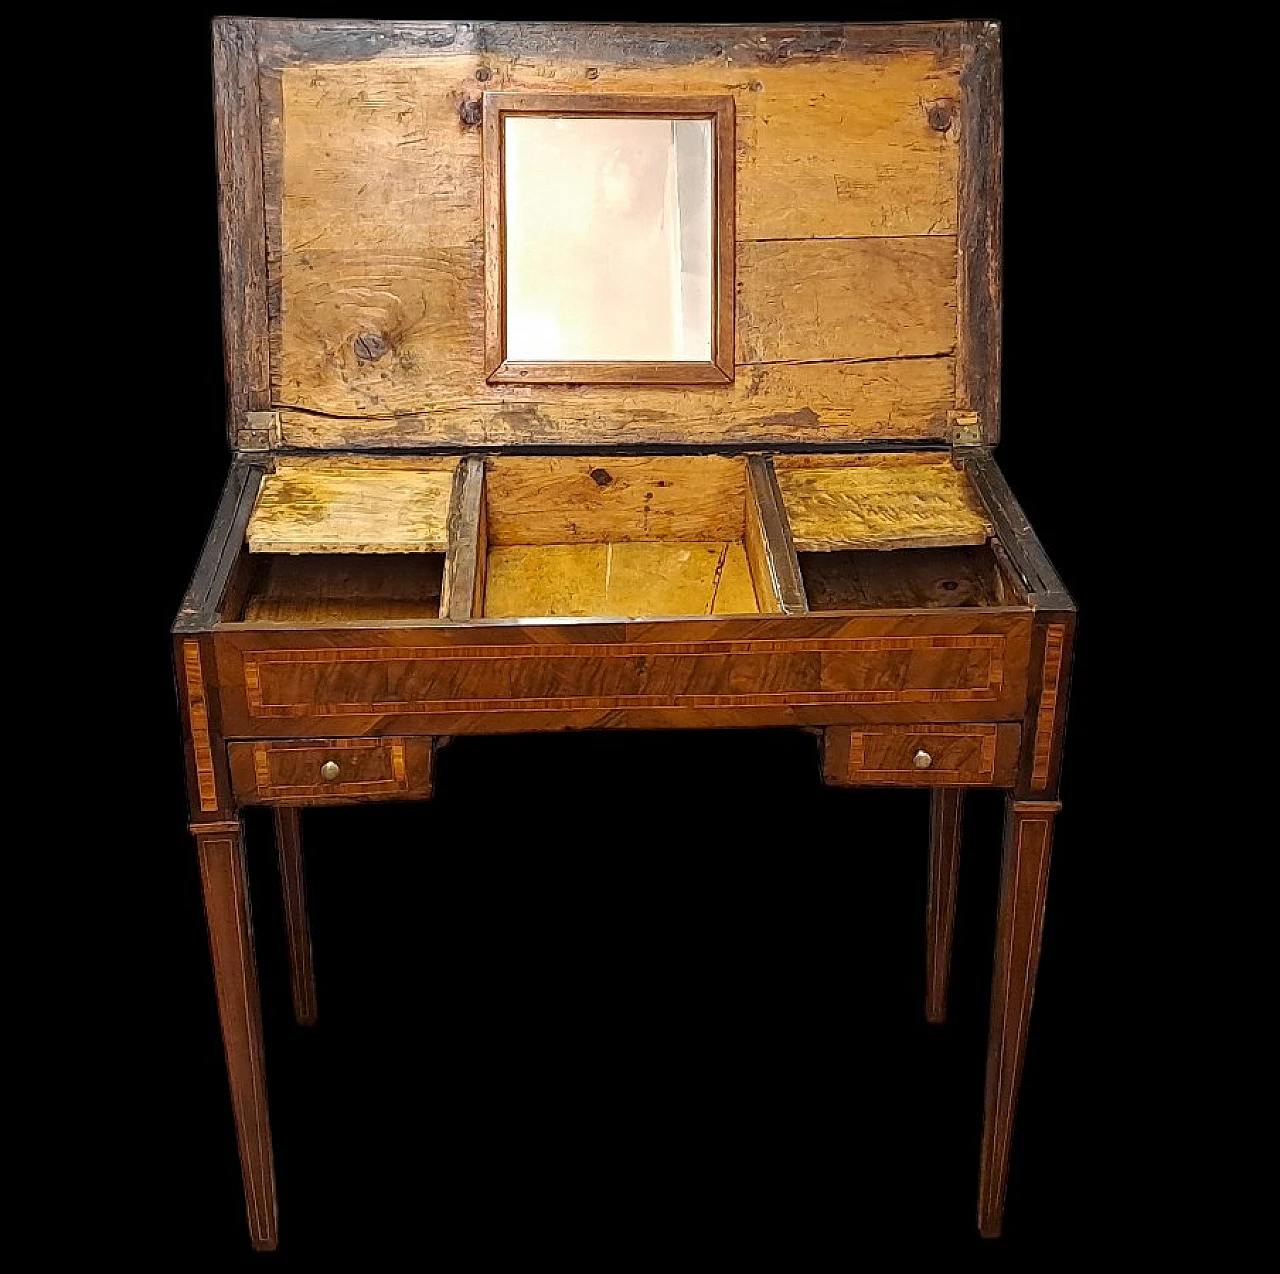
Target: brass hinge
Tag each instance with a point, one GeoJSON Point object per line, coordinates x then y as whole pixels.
{"type": "Point", "coordinates": [966, 428]}
{"type": "Point", "coordinates": [260, 431]}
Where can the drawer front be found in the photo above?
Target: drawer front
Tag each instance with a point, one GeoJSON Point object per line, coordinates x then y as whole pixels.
{"type": "Point", "coordinates": [308, 771]}
{"type": "Point", "coordinates": [923, 755]}
{"type": "Point", "coordinates": [492, 677]}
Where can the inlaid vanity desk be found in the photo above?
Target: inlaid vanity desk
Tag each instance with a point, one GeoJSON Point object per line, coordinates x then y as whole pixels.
{"type": "Point", "coordinates": [603, 377]}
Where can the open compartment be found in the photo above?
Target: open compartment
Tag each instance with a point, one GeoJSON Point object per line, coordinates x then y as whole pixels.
{"type": "Point", "coordinates": [890, 531]}
{"type": "Point", "coordinates": [627, 536]}
{"type": "Point", "coordinates": [346, 539]}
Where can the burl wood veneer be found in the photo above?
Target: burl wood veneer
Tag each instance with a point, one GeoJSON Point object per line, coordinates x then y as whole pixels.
{"type": "Point", "coordinates": [417, 541]}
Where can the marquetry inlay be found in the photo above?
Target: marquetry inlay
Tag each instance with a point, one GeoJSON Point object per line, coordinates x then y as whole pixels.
{"type": "Point", "coordinates": [270, 788]}
{"type": "Point", "coordinates": [1042, 747]}
{"type": "Point", "coordinates": [985, 768]}
{"type": "Point", "coordinates": [644, 665]}
{"type": "Point", "coordinates": [198, 719]}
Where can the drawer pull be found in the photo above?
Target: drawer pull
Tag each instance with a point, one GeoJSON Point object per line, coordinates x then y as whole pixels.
{"type": "Point", "coordinates": [922, 760]}
{"type": "Point", "coordinates": [329, 771]}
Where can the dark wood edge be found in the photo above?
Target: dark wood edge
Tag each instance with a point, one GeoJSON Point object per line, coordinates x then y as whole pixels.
{"type": "Point", "coordinates": [1045, 587]}
{"type": "Point", "coordinates": [979, 266]}
{"type": "Point", "coordinates": [287, 41]}
{"type": "Point", "coordinates": [862, 446]}
{"type": "Point", "coordinates": [762, 490]}
{"type": "Point", "coordinates": [242, 234]}
{"type": "Point", "coordinates": [498, 369]}
{"type": "Point", "coordinates": [462, 593]}
{"type": "Point", "coordinates": [199, 609]}
{"type": "Point", "coordinates": [1048, 690]}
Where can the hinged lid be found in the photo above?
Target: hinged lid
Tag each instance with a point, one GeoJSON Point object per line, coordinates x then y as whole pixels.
{"type": "Point", "coordinates": [352, 232]}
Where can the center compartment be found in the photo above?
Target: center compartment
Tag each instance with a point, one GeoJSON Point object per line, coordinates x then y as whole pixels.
{"type": "Point", "coordinates": [626, 536]}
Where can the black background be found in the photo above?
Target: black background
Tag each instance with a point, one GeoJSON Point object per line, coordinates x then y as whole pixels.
{"type": "Point", "coordinates": [618, 996]}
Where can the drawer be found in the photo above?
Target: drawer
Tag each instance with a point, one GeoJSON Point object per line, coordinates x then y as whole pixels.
{"type": "Point", "coordinates": [922, 755]}
{"type": "Point", "coordinates": [307, 771]}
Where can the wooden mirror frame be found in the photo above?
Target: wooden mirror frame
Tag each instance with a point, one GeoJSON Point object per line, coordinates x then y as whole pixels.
{"type": "Point", "coordinates": [719, 110]}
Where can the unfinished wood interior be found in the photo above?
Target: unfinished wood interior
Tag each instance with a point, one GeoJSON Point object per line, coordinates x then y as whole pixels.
{"type": "Point", "coordinates": [353, 504]}
{"type": "Point", "coordinates": [845, 238]}
{"type": "Point", "coordinates": [906, 579]}
{"type": "Point", "coordinates": [351, 538]}
{"type": "Point", "coordinates": [890, 531]}
{"type": "Point", "coordinates": [620, 536]}
{"type": "Point", "coordinates": [336, 587]}
{"type": "Point", "coordinates": [879, 501]}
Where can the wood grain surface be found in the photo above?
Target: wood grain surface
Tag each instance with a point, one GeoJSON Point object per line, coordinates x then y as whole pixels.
{"type": "Point", "coordinates": [592, 499]}
{"type": "Point", "coordinates": [847, 196]}
{"type": "Point", "coordinates": [288, 772]}
{"type": "Point", "coordinates": [902, 502]}
{"type": "Point", "coordinates": [625, 579]}
{"type": "Point", "coordinates": [494, 676]}
{"type": "Point", "coordinates": [337, 509]}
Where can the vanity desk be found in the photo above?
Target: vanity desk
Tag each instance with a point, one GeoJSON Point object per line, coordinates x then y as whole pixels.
{"type": "Point", "coordinates": [614, 377]}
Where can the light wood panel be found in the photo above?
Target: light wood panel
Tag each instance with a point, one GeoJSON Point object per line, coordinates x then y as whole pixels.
{"type": "Point", "coordinates": [813, 403]}
{"type": "Point", "coordinates": [827, 147]}
{"type": "Point", "coordinates": [623, 579]}
{"type": "Point", "coordinates": [846, 298]}
{"type": "Point", "coordinates": [576, 499]}
{"type": "Point", "coordinates": [375, 224]}
{"type": "Point", "coordinates": [899, 502]}
{"type": "Point", "coordinates": [363, 508]}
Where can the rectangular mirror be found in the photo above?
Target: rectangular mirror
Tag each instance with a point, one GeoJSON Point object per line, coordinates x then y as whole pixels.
{"type": "Point", "coordinates": [609, 238]}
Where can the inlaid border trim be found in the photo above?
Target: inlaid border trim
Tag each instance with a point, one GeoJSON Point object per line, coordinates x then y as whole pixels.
{"type": "Point", "coordinates": [987, 757]}
{"type": "Point", "coordinates": [993, 644]}
{"type": "Point", "coordinates": [198, 720]}
{"type": "Point", "coordinates": [1042, 745]}
{"type": "Point", "coordinates": [398, 782]}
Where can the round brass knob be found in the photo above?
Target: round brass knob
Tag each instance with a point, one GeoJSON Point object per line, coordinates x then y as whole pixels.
{"type": "Point", "coordinates": [922, 760]}
{"type": "Point", "coordinates": [329, 771]}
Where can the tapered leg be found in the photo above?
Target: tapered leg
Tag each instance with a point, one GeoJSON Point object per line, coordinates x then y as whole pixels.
{"type": "Point", "coordinates": [1024, 875]}
{"type": "Point", "coordinates": [226, 905]}
{"type": "Point", "coordinates": [946, 820]}
{"type": "Point", "coordinates": [293, 885]}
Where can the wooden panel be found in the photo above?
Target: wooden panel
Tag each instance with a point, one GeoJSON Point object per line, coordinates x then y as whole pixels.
{"type": "Point", "coordinates": [623, 579]}
{"type": "Point", "coordinates": [573, 499]}
{"type": "Point", "coordinates": [373, 165]}
{"type": "Point", "coordinates": [846, 298]}
{"type": "Point", "coordinates": [959, 755]}
{"type": "Point", "coordinates": [981, 271]}
{"type": "Point", "coordinates": [241, 220]}
{"type": "Point", "coordinates": [339, 587]}
{"type": "Point", "coordinates": [892, 502]}
{"type": "Point", "coordinates": [827, 146]}
{"type": "Point", "coordinates": [272, 772]}
{"type": "Point", "coordinates": [904, 580]}
{"type": "Point", "coordinates": [819, 403]}
{"type": "Point", "coordinates": [336, 509]}
{"type": "Point", "coordinates": [491, 676]}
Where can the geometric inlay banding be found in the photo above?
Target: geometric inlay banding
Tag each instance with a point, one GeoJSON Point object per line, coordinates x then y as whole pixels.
{"type": "Point", "coordinates": [198, 718]}
{"type": "Point", "coordinates": [534, 677]}
{"type": "Point", "coordinates": [1042, 746]}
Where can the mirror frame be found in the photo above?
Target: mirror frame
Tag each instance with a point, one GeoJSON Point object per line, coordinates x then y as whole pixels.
{"type": "Point", "coordinates": [719, 110]}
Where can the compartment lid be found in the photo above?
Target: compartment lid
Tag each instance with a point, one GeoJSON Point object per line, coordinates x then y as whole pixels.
{"type": "Point", "coordinates": [352, 232]}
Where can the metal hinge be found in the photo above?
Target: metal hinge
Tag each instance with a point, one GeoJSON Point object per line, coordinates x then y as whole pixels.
{"type": "Point", "coordinates": [966, 428]}
{"type": "Point", "coordinates": [260, 431]}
